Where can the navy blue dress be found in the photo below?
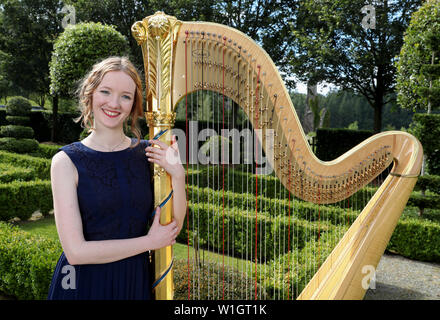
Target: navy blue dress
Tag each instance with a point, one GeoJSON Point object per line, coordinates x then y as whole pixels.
{"type": "Point", "coordinates": [115, 196]}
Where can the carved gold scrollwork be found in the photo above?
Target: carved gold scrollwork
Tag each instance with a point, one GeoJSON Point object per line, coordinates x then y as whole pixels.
{"type": "Point", "coordinates": [160, 119]}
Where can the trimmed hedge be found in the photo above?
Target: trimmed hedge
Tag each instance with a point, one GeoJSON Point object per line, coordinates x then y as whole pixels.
{"type": "Point", "coordinates": [21, 199]}
{"type": "Point", "coordinates": [282, 281]}
{"type": "Point", "coordinates": [9, 173]}
{"type": "Point", "coordinates": [332, 143]}
{"type": "Point", "coordinates": [428, 182]}
{"type": "Point", "coordinates": [18, 145]}
{"type": "Point", "coordinates": [45, 151]}
{"type": "Point", "coordinates": [426, 127]}
{"type": "Point", "coordinates": [17, 131]}
{"type": "Point", "coordinates": [27, 262]}
{"type": "Point", "coordinates": [204, 282]}
{"type": "Point", "coordinates": [39, 165]}
{"type": "Point", "coordinates": [416, 239]}
{"type": "Point", "coordinates": [208, 220]}
{"type": "Point", "coordinates": [273, 207]}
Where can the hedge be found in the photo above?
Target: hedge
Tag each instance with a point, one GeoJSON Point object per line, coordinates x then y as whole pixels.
{"type": "Point", "coordinates": [204, 282]}
{"type": "Point", "coordinates": [18, 145]}
{"type": "Point", "coordinates": [272, 206]}
{"type": "Point", "coordinates": [41, 166]}
{"type": "Point", "coordinates": [426, 127]}
{"type": "Point", "coordinates": [428, 182]}
{"type": "Point", "coordinates": [416, 239]}
{"type": "Point", "coordinates": [332, 143]}
{"type": "Point", "coordinates": [27, 262]}
{"type": "Point", "coordinates": [9, 173]}
{"type": "Point", "coordinates": [287, 275]}
{"type": "Point", "coordinates": [208, 221]}
{"type": "Point", "coordinates": [22, 198]}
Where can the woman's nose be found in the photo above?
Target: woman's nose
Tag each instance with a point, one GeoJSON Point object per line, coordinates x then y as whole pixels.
{"type": "Point", "coordinates": [113, 101]}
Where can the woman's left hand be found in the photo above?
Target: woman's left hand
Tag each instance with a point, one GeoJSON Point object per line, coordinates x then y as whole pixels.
{"type": "Point", "coordinates": [168, 157]}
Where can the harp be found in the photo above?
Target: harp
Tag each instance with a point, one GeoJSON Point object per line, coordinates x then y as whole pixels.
{"type": "Point", "coordinates": [183, 59]}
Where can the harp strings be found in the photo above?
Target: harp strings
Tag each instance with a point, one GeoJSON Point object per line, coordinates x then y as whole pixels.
{"type": "Point", "coordinates": [220, 70]}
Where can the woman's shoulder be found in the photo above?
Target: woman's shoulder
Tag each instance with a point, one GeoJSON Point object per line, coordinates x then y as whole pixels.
{"type": "Point", "coordinates": [64, 155]}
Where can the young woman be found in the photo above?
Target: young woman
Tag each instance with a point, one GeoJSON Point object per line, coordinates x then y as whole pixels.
{"type": "Point", "coordinates": [103, 193]}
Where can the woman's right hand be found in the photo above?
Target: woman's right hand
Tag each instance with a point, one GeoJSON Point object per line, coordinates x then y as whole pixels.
{"type": "Point", "coordinates": [159, 235]}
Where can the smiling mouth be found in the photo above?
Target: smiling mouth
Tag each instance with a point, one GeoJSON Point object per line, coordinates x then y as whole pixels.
{"type": "Point", "coordinates": [111, 114]}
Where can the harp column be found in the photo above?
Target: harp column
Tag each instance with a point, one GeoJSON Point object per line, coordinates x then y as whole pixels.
{"type": "Point", "coordinates": [157, 35]}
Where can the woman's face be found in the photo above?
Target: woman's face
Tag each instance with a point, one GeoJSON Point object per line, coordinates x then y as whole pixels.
{"type": "Point", "coordinates": [113, 99]}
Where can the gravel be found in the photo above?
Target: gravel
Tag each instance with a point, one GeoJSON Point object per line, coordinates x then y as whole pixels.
{"type": "Point", "coordinates": [399, 278]}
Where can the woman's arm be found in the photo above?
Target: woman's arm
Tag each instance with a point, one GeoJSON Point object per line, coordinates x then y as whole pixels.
{"type": "Point", "coordinates": [64, 178]}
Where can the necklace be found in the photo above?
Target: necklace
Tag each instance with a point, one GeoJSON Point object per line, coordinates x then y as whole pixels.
{"type": "Point", "coordinates": [113, 148]}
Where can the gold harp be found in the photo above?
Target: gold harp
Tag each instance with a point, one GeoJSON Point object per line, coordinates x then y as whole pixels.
{"type": "Point", "coordinates": [183, 58]}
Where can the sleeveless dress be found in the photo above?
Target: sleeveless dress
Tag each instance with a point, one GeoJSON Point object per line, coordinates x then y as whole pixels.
{"type": "Point", "coordinates": [115, 197]}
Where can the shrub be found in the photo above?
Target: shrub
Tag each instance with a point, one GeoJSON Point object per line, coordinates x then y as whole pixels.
{"type": "Point", "coordinates": [39, 165]}
{"type": "Point", "coordinates": [18, 145]}
{"type": "Point", "coordinates": [21, 199]}
{"type": "Point", "coordinates": [416, 239]}
{"type": "Point", "coordinates": [18, 106]}
{"type": "Point", "coordinates": [426, 127]}
{"type": "Point", "coordinates": [240, 226]}
{"type": "Point", "coordinates": [17, 131]}
{"type": "Point", "coordinates": [18, 120]}
{"type": "Point", "coordinates": [77, 49]}
{"type": "Point", "coordinates": [428, 182]}
{"type": "Point", "coordinates": [18, 138]}
{"type": "Point", "coordinates": [272, 206]}
{"type": "Point", "coordinates": [9, 173]}
{"type": "Point", "coordinates": [204, 282]}
{"type": "Point", "coordinates": [332, 143]}
{"type": "Point", "coordinates": [26, 263]}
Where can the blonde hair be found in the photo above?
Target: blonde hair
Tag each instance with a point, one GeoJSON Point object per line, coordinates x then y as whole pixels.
{"type": "Point", "coordinates": [92, 80]}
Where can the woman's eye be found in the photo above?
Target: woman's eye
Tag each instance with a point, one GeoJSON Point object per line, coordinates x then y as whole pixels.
{"type": "Point", "coordinates": [126, 97]}
{"type": "Point", "coordinates": [104, 91]}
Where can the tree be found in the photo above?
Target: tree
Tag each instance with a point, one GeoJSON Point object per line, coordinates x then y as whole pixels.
{"type": "Point", "coordinates": [76, 50]}
{"type": "Point", "coordinates": [27, 31]}
{"type": "Point", "coordinates": [266, 22]}
{"type": "Point", "coordinates": [418, 67]}
{"type": "Point", "coordinates": [340, 42]}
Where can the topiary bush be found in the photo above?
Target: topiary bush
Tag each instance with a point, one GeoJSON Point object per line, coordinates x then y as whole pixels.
{"type": "Point", "coordinates": [18, 138]}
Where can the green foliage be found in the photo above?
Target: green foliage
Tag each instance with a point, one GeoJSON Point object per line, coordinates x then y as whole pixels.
{"type": "Point", "coordinates": [26, 262]}
{"type": "Point", "coordinates": [208, 217]}
{"type": "Point", "coordinates": [331, 44]}
{"type": "Point", "coordinates": [22, 198]}
{"type": "Point", "coordinates": [18, 138]}
{"type": "Point", "coordinates": [204, 278]}
{"type": "Point", "coordinates": [27, 30]}
{"type": "Point", "coordinates": [18, 145]}
{"type": "Point", "coordinates": [18, 120]}
{"type": "Point", "coordinates": [16, 131]}
{"type": "Point", "coordinates": [9, 173]}
{"type": "Point", "coordinates": [426, 127]}
{"type": "Point", "coordinates": [77, 49]}
{"type": "Point", "coordinates": [332, 143]}
{"type": "Point", "coordinates": [18, 106]}
{"type": "Point", "coordinates": [418, 67]}
{"type": "Point", "coordinates": [417, 239]}
{"type": "Point", "coordinates": [272, 206]}
{"type": "Point", "coordinates": [424, 201]}
{"type": "Point", "coordinates": [428, 182]}
{"type": "Point", "coordinates": [39, 165]}
{"type": "Point", "coordinates": [46, 151]}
